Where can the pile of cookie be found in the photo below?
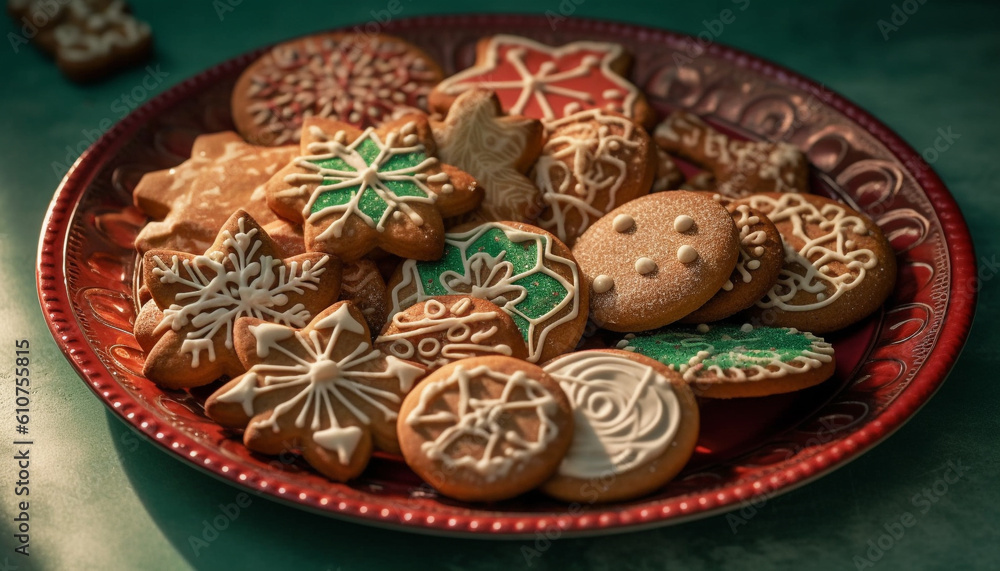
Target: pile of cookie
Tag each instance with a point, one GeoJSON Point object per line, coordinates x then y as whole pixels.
{"type": "Point", "coordinates": [500, 275]}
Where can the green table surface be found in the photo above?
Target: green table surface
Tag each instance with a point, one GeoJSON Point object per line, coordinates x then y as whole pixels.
{"type": "Point", "coordinates": [102, 497]}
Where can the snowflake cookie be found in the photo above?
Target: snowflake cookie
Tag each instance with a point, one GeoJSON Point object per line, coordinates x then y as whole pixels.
{"type": "Point", "coordinates": [485, 428]}
{"type": "Point", "coordinates": [320, 390]}
{"type": "Point", "coordinates": [383, 187]}
{"type": "Point", "coordinates": [201, 297]}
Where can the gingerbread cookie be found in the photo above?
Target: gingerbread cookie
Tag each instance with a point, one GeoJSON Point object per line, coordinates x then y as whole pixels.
{"type": "Point", "coordinates": [524, 270]}
{"type": "Point", "coordinates": [656, 259]}
{"type": "Point", "coordinates": [727, 360]}
{"type": "Point", "coordinates": [485, 428]}
{"type": "Point", "coordinates": [668, 174]}
{"type": "Point", "coordinates": [201, 296]}
{"type": "Point", "coordinates": [360, 79]}
{"type": "Point", "coordinates": [362, 285]}
{"type": "Point", "coordinates": [838, 269]}
{"type": "Point", "coordinates": [547, 82]}
{"type": "Point", "coordinates": [495, 149]}
{"type": "Point", "coordinates": [636, 424]}
{"type": "Point", "coordinates": [592, 162]}
{"type": "Point", "coordinates": [740, 168]}
{"type": "Point", "coordinates": [356, 190]}
{"type": "Point", "coordinates": [762, 254]}
{"type": "Point", "coordinates": [320, 390]}
{"type": "Point", "coordinates": [189, 203]}
{"type": "Point", "coordinates": [445, 329]}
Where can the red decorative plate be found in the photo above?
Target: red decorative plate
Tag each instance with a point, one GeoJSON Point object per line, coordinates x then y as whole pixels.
{"type": "Point", "coordinates": [887, 368]}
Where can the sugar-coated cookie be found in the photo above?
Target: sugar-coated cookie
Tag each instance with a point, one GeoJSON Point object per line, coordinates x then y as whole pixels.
{"type": "Point", "coordinates": [189, 203]}
{"type": "Point", "coordinates": [363, 286]}
{"type": "Point", "coordinates": [740, 168]}
{"type": "Point", "coordinates": [762, 254]}
{"type": "Point", "coordinates": [201, 296]}
{"type": "Point", "coordinates": [383, 187]}
{"type": "Point", "coordinates": [320, 390]}
{"type": "Point", "coordinates": [524, 270]}
{"type": "Point", "coordinates": [729, 360]}
{"type": "Point", "coordinates": [592, 162]}
{"type": "Point", "coordinates": [546, 82]}
{"type": "Point", "coordinates": [360, 79]}
{"type": "Point", "coordinates": [448, 328]}
{"type": "Point", "coordinates": [495, 149]}
{"type": "Point", "coordinates": [485, 428]}
{"type": "Point", "coordinates": [636, 423]}
{"type": "Point", "coordinates": [839, 268]}
{"type": "Point", "coordinates": [656, 259]}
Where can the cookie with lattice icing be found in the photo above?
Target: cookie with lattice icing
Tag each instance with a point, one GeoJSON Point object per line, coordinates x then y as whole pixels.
{"type": "Point", "coordinates": [448, 328]}
{"type": "Point", "coordinates": [635, 425]}
{"type": "Point", "coordinates": [494, 148]}
{"type": "Point", "coordinates": [727, 360]}
{"type": "Point", "coordinates": [530, 274]}
{"type": "Point", "coordinates": [668, 175]}
{"type": "Point", "coordinates": [201, 296]}
{"type": "Point", "coordinates": [592, 162]}
{"type": "Point", "coordinates": [548, 82]}
{"type": "Point", "coordinates": [762, 254]}
{"type": "Point", "coordinates": [320, 390]}
{"type": "Point", "coordinates": [839, 268]}
{"type": "Point", "coordinates": [354, 191]}
{"type": "Point", "coordinates": [485, 428]}
{"type": "Point", "coordinates": [190, 202]}
{"type": "Point", "coordinates": [360, 79]}
{"type": "Point", "coordinates": [656, 259]}
{"type": "Point", "coordinates": [740, 168]}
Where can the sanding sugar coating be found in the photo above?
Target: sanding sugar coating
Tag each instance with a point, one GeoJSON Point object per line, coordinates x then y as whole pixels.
{"type": "Point", "coordinates": [639, 302]}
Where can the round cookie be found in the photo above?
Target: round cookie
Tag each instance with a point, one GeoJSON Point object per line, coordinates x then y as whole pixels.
{"type": "Point", "coordinates": [636, 425]}
{"type": "Point", "coordinates": [839, 268]}
{"type": "Point", "coordinates": [761, 257]}
{"type": "Point", "coordinates": [656, 259]}
{"type": "Point", "coordinates": [728, 360]}
{"type": "Point", "coordinates": [361, 79]}
{"type": "Point", "coordinates": [485, 428]}
{"type": "Point", "coordinates": [592, 162]}
{"type": "Point", "coordinates": [445, 329]}
{"type": "Point", "coordinates": [524, 270]}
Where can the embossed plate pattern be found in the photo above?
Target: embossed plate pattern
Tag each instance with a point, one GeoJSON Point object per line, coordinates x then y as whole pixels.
{"type": "Point", "coordinates": [888, 367]}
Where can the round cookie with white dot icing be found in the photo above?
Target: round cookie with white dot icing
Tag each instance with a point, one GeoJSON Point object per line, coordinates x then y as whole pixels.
{"type": "Point", "coordinates": [838, 269]}
{"type": "Point", "coordinates": [636, 425]}
{"type": "Point", "coordinates": [656, 259]}
{"type": "Point", "coordinates": [760, 260]}
{"type": "Point", "coordinates": [730, 360]}
{"type": "Point", "coordinates": [485, 428]}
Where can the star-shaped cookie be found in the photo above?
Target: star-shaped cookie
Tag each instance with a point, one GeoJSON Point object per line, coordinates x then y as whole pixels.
{"type": "Point", "coordinates": [201, 296]}
{"type": "Point", "coordinates": [321, 390]}
{"type": "Point", "coordinates": [477, 138]}
{"type": "Point", "coordinates": [354, 191]}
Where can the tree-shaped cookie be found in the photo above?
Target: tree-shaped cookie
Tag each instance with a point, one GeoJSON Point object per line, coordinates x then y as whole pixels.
{"type": "Point", "coordinates": [382, 187]}
{"type": "Point", "coordinates": [201, 296]}
{"type": "Point", "coordinates": [321, 390]}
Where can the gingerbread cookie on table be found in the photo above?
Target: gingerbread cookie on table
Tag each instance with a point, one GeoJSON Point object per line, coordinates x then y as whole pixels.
{"type": "Point", "coordinates": [360, 79]}
{"type": "Point", "coordinates": [838, 268]}
{"type": "Point", "coordinates": [524, 270]}
{"type": "Point", "coordinates": [448, 328]}
{"type": "Point", "coordinates": [740, 168]}
{"type": "Point", "coordinates": [592, 162]}
{"type": "Point", "coordinates": [383, 187]}
{"type": "Point", "coordinates": [201, 296]}
{"type": "Point", "coordinates": [189, 203]}
{"type": "Point", "coordinates": [762, 255]}
{"type": "Point", "coordinates": [546, 82]}
{"type": "Point", "coordinates": [635, 425]}
{"type": "Point", "coordinates": [485, 428]}
{"type": "Point", "coordinates": [363, 286]}
{"type": "Point", "coordinates": [656, 259]}
{"type": "Point", "coordinates": [729, 360]}
{"type": "Point", "coordinates": [495, 149]}
{"type": "Point", "coordinates": [320, 390]}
